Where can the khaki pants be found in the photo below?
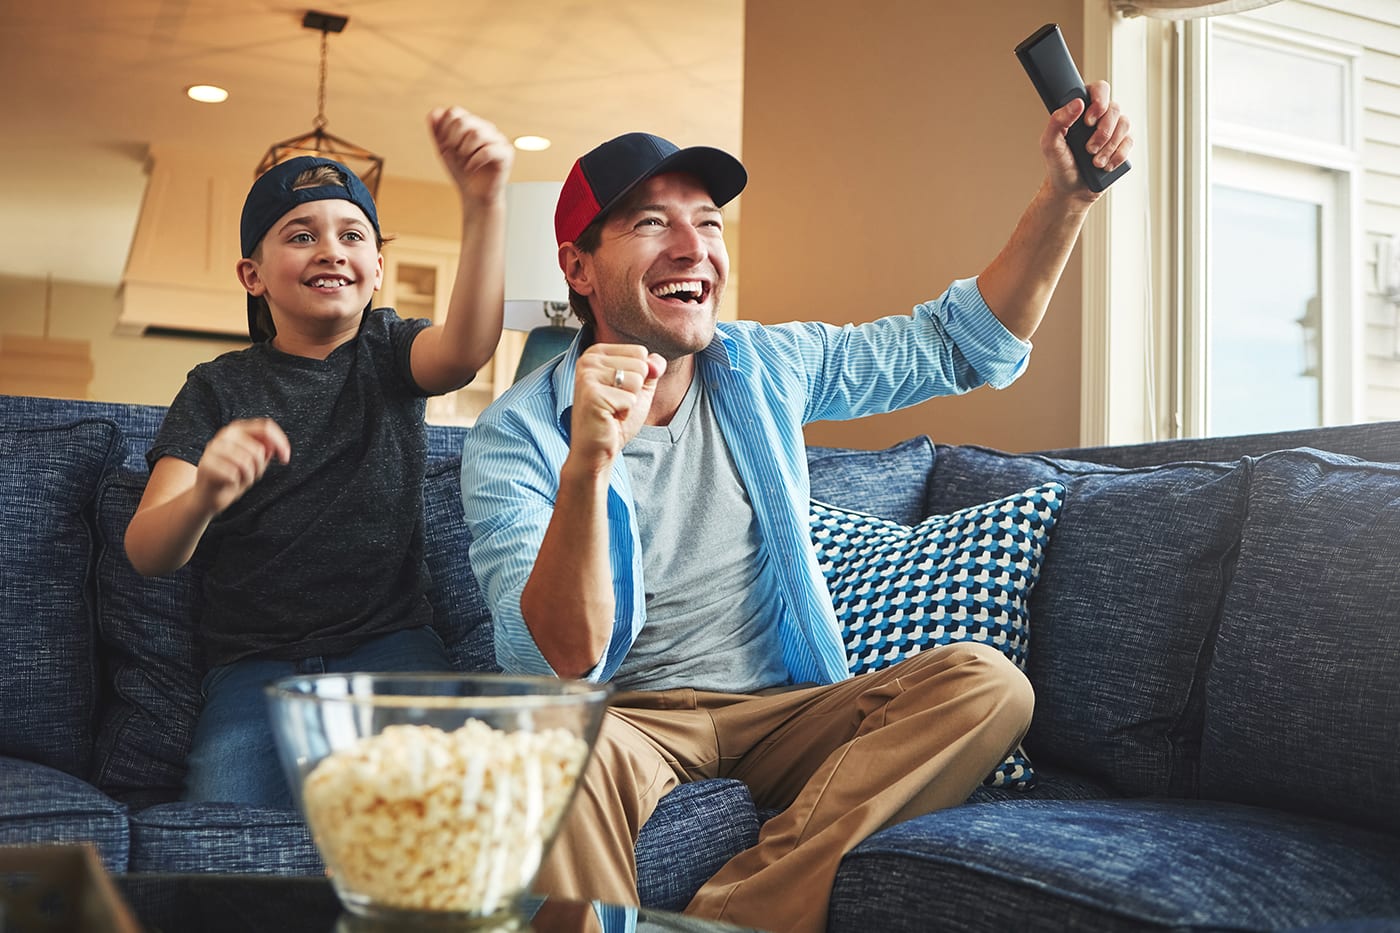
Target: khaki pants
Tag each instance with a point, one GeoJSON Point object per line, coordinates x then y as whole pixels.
{"type": "Point", "coordinates": [840, 761]}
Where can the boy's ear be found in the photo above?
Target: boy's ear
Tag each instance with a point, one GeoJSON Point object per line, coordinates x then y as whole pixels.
{"type": "Point", "coordinates": [576, 268]}
{"type": "Point", "coordinates": [251, 280]}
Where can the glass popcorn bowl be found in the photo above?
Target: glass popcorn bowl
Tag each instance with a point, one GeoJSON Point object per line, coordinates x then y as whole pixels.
{"type": "Point", "coordinates": [434, 796]}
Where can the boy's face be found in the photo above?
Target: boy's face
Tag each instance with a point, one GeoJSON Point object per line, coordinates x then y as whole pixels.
{"type": "Point", "coordinates": [318, 266]}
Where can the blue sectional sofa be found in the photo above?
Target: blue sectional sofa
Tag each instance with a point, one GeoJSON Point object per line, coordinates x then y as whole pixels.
{"type": "Point", "coordinates": [1214, 640]}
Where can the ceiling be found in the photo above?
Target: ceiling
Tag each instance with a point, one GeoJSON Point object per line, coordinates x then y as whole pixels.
{"type": "Point", "coordinates": [92, 85]}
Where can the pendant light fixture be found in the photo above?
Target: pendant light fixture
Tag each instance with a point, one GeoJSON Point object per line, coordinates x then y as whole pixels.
{"type": "Point", "coordinates": [318, 142]}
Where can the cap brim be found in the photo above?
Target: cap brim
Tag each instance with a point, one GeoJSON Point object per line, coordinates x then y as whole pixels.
{"type": "Point", "coordinates": [723, 176]}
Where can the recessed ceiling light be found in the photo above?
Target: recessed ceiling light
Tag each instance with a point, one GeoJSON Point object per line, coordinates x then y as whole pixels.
{"type": "Point", "coordinates": [207, 93]}
{"type": "Point", "coordinates": [531, 143]}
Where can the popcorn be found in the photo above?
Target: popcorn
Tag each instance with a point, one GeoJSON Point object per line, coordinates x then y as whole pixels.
{"type": "Point", "coordinates": [422, 819]}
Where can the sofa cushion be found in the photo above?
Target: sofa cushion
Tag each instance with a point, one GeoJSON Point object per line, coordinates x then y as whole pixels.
{"type": "Point", "coordinates": [460, 614]}
{"type": "Point", "coordinates": [1303, 697]}
{"type": "Point", "coordinates": [48, 480]}
{"type": "Point", "coordinates": [1125, 608]}
{"type": "Point", "coordinates": [147, 627]}
{"type": "Point", "coordinates": [40, 805]}
{"type": "Point", "coordinates": [695, 829]}
{"type": "Point", "coordinates": [891, 483]}
{"type": "Point", "coordinates": [230, 838]}
{"type": "Point", "coordinates": [1116, 865]}
{"type": "Point", "coordinates": [964, 576]}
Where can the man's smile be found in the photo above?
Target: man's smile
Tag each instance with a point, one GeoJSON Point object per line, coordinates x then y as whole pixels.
{"type": "Point", "coordinates": [692, 290]}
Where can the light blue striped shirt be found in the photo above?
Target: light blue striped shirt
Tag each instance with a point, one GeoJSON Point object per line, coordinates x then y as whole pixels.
{"type": "Point", "coordinates": [765, 382]}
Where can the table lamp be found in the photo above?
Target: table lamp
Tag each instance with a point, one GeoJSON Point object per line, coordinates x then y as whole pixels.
{"type": "Point", "coordinates": [537, 297]}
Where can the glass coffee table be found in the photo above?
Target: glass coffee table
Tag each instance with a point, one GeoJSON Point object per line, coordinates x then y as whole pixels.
{"type": "Point", "coordinates": [280, 904]}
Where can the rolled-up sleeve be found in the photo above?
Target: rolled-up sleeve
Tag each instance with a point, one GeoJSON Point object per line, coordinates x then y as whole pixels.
{"type": "Point", "coordinates": [993, 352]}
{"type": "Point", "coordinates": [947, 346]}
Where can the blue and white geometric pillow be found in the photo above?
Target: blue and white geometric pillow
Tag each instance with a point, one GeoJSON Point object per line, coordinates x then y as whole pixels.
{"type": "Point", "coordinates": [966, 576]}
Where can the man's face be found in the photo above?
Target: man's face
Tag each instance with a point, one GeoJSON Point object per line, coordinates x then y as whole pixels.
{"type": "Point", "coordinates": [659, 270]}
{"type": "Point", "coordinates": [318, 266]}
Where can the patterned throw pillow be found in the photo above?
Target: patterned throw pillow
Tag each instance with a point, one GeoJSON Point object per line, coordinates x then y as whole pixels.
{"type": "Point", "coordinates": [965, 576]}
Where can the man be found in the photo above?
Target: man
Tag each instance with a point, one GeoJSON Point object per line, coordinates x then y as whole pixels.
{"type": "Point", "coordinates": [639, 516]}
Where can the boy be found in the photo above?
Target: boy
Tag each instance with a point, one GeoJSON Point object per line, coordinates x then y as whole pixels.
{"type": "Point", "coordinates": [316, 563]}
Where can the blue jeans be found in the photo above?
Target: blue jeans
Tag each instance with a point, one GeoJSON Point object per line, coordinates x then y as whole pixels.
{"type": "Point", "coordinates": [234, 755]}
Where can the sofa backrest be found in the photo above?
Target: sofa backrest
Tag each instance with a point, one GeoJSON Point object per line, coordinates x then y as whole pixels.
{"type": "Point", "coordinates": [50, 473]}
{"type": "Point", "coordinates": [145, 634]}
{"type": "Point", "coordinates": [890, 483]}
{"type": "Point", "coordinates": [1122, 617]}
{"type": "Point", "coordinates": [1302, 695]}
{"type": "Point", "coordinates": [459, 610]}
{"type": "Point", "coordinates": [1228, 630]}
{"type": "Point", "coordinates": [1378, 442]}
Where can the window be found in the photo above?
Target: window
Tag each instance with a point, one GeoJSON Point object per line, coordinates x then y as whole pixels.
{"type": "Point", "coordinates": [1269, 197]}
{"type": "Point", "coordinates": [1278, 315]}
{"type": "Point", "coordinates": [1263, 329]}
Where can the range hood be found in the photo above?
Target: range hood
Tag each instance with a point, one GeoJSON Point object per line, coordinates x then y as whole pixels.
{"type": "Point", "coordinates": [179, 277]}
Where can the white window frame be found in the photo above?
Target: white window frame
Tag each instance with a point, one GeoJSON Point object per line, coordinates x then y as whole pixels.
{"type": "Point", "coordinates": [1122, 379]}
{"type": "Point", "coordinates": [1145, 249]}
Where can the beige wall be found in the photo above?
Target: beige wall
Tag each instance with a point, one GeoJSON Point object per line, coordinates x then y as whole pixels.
{"type": "Point", "coordinates": [891, 147]}
{"type": "Point", "coordinates": [125, 368]}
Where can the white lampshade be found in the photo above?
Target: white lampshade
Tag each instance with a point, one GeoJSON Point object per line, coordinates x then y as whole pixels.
{"type": "Point", "coordinates": [533, 278]}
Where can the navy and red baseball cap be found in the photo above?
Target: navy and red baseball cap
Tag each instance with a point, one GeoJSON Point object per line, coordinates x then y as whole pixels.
{"type": "Point", "coordinates": [603, 177]}
{"type": "Point", "coordinates": [272, 195]}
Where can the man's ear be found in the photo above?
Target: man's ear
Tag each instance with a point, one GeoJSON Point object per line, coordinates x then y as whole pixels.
{"type": "Point", "coordinates": [576, 268]}
{"type": "Point", "coordinates": [249, 278]}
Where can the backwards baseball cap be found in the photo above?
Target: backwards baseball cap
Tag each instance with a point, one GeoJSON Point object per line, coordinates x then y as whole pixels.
{"type": "Point", "coordinates": [272, 195]}
{"type": "Point", "coordinates": [603, 177]}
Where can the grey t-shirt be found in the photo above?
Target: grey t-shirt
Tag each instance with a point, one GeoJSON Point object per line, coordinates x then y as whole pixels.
{"type": "Point", "coordinates": [327, 551]}
{"type": "Point", "coordinates": [707, 626]}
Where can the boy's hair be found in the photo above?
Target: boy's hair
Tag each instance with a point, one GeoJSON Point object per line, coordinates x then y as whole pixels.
{"type": "Point", "coordinates": [318, 176]}
{"type": "Point", "coordinates": [278, 190]}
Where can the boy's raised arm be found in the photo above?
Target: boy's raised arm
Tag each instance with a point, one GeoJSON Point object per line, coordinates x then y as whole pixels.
{"type": "Point", "coordinates": [479, 158]}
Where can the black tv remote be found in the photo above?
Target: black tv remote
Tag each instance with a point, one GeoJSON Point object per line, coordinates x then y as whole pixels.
{"type": "Point", "coordinates": [1047, 60]}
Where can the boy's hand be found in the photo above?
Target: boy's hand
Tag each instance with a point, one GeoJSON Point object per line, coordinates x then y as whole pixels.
{"type": "Point", "coordinates": [236, 458]}
{"type": "Point", "coordinates": [476, 154]}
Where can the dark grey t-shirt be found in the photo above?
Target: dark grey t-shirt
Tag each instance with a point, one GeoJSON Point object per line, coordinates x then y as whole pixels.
{"type": "Point", "coordinates": [327, 551]}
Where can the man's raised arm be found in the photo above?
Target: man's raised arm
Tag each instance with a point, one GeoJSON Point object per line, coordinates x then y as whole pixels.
{"type": "Point", "coordinates": [1018, 283]}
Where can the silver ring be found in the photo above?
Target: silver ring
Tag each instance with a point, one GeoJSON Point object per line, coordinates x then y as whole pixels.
{"type": "Point", "coordinates": [618, 376]}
